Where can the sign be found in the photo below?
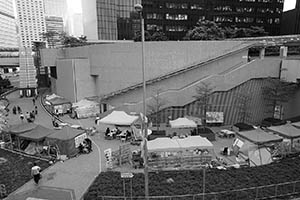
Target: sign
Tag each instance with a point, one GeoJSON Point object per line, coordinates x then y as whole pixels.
{"type": "Point", "coordinates": [214, 117]}
{"type": "Point", "coordinates": [108, 158]}
{"type": "Point", "coordinates": [126, 175]}
{"type": "Point", "coordinates": [79, 139]}
{"type": "Point", "coordinates": [278, 112]}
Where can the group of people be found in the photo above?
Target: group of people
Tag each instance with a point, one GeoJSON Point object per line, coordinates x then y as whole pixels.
{"type": "Point", "coordinates": [117, 132]}
{"type": "Point", "coordinates": [85, 146]}
{"type": "Point", "coordinates": [29, 116]}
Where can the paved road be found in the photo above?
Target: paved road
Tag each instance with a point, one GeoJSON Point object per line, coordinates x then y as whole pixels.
{"type": "Point", "coordinates": [64, 180]}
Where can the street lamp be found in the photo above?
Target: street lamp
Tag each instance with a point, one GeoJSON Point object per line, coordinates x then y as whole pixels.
{"type": "Point", "coordinates": [139, 8]}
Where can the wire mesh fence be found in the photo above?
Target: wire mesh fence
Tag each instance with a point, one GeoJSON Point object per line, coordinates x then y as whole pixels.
{"type": "Point", "coordinates": [275, 191]}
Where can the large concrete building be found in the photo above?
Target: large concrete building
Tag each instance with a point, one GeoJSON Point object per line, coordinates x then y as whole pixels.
{"type": "Point", "coordinates": [291, 21]}
{"type": "Point", "coordinates": [113, 72]}
{"type": "Point", "coordinates": [31, 21]}
{"type": "Point", "coordinates": [8, 31]}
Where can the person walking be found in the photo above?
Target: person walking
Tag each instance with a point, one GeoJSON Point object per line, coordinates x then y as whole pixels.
{"type": "Point", "coordinates": [33, 101]}
{"type": "Point", "coordinates": [36, 173]}
{"type": "Point", "coordinates": [35, 110]}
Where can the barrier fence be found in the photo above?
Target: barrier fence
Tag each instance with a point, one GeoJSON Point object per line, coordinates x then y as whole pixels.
{"type": "Point", "coordinates": [274, 191]}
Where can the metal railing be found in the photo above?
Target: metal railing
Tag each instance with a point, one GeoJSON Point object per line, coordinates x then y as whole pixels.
{"type": "Point", "coordinates": [274, 191]}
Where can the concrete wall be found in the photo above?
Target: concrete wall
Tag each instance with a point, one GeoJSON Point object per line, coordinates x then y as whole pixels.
{"type": "Point", "coordinates": [290, 70]}
{"type": "Point", "coordinates": [107, 61]}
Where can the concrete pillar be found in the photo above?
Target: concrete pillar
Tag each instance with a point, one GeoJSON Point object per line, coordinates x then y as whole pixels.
{"type": "Point", "coordinates": [262, 53]}
{"type": "Point", "coordinates": [283, 51]}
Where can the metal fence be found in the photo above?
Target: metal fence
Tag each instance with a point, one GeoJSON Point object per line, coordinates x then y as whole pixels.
{"type": "Point", "coordinates": [275, 191]}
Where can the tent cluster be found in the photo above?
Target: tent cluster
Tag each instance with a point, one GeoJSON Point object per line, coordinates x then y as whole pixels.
{"type": "Point", "coordinates": [35, 139]}
{"type": "Point", "coordinates": [85, 109]}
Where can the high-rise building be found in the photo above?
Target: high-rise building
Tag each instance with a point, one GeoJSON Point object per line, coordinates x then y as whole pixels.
{"type": "Point", "coordinates": [114, 19]}
{"type": "Point", "coordinates": [31, 21]}
{"type": "Point", "coordinates": [56, 8]}
{"type": "Point", "coordinates": [8, 34]}
{"type": "Point", "coordinates": [291, 21]}
{"type": "Point", "coordinates": [176, 17]}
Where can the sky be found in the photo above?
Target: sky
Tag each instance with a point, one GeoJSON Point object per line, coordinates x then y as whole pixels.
{"type": "Point", "coordinates": [289, 4]}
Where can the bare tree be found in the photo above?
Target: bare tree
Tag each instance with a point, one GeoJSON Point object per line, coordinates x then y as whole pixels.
{"type": "Point", "coordinates": [242, 104]}
{"type": "Point", "coordinates": [277, 92]}
{"type": "Point", "coordinates": [202, 96]}
{"type": "Point", "coordinates": [155, 106]}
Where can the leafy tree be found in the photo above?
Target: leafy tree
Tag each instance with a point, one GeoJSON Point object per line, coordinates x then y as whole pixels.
{"type": "Point", "coordinates": [51, 37]}
{"type": "Point", "coordinates": [155, 106]}
{"type": "Point", "coordinates": [209, 30]}
{"type": "Point", "coordinates": [202, 96]}
{"type": "Point", "coordinates": [205, 30]}
{"type": "Point", "coordinates": [242, 103]}
{"type": "Point", "coordinates": [277, 92]}
{"type": "Point", "coordinates": [72, 41]}
{"type": "Point", "coordinates": [3, 122]}
{"type": "Point", "coordinates": [153, 36]}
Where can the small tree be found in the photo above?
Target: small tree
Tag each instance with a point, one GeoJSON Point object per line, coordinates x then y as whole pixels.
{"type": "Point", "coordinates": [3, 122]}
{"type": "Point", "coordinates": [202, 96]}
{"type": "Point", "coordinates": [51, 37]}
{"type": "Point", "coordinates": [155, 106]}
{"type": "Point", "coordinates": [277, 92]}
{"type": "Point", "coordinates": [153, 36]}
{"type": "Point", "coordinates": [242, 103]}
{"type": "Point", "coordinates": [72, 41]}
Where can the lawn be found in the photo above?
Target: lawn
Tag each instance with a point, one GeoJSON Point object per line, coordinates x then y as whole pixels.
{"type": "Point", "coordinates": [191, 181]}
{"type": "Point", "coordinates": [16, 170]}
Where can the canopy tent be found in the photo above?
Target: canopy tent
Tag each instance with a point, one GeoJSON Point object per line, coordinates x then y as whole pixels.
{"type": "Point", "coordinates": [86, 108]}
{"type": "Point", "coordinates": [259, 137]}
{"type": "Point", "coordinates": [52, 96]}
{"type": "Point", "coordinates": [287, 131]}
{"type": "Point", "coordinates": [67, 140]}
{"type": "Point", "coordinates": [182, 123]}
{"type": "Point", "coordinates": [296, 124]}
{"type": "Point", "coordinates": [20, 128]}
{"type": "Point", "coordinates": [119, 118]}
{"type": "Point", "coordinates": [36, 134]}
{"type": "Point", "coordinates": [179, 144]}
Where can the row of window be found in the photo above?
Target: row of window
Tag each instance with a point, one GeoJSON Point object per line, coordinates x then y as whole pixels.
{"type": "Point", "coordinates": [263, 1]}
{"type": "Point", "coordinates": [246, 20]}
{"type": "Point", "coordinates": [247, 9]}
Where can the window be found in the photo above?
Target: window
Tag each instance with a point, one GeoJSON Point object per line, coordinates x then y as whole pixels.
{"type": "Point", "coordinates": [196, 7]}
{"type": "Point", "coordinates": [259, 21]}
{"type": "Point", "coordinates": [276, 20]}
{"type": "Point", "coordinates": [154, 16]}
{"type": "Point", "coordinates": [222, 19]}
{"type": "Point", "coordinates": [270, 21]}
{"type": "Point", "coordinates": [244, 9]}
{"type": "Point", "coordinates": [154, 27]}
{"type": "Point", "coordinates": [223, 8]}
{"type": "Point", "coordinates": [175, 28]}
{"type": "Point", "coordinates": [244, 19]}
{"type": "Point", "coordinates": [176, 16]}
{"type": "Point", "coordinates": [177, 5]}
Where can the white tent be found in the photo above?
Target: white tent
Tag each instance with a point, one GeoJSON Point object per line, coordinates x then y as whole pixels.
{"type": "Point", "coordinates": [119, 118]}
{"type": "Point", "coordinates": [179, 144]}
{"type": "Point", "coordinates": [86, 108]}
{"type": "Point", "coordinates": [182, 123]}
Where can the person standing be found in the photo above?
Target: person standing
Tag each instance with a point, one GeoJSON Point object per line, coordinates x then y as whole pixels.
{"type": "Point", "coordinates": [33, 101]}
{"type": "Point", "coordinates": [36, 173]}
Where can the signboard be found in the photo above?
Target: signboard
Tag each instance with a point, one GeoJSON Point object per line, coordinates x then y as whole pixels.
{"type": "Point", "coordinates": [108, 158]}
{"type": "Point", "coordinates": [79, 139]}
{"type": "Point", "coordinates": [214, 117]}
{"type": "Point", "coordinates": [278, 112]}
{"type": "Point", "coordinates": [126, 175]}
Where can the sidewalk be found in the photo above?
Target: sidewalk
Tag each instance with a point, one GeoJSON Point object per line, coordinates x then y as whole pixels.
{"type": "Point", "coordinates": [67, 180]}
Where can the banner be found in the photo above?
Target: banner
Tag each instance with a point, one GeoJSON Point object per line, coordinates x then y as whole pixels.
{"type": "Point", "coordinates": [214, 117]}
{"type": "Point", "coordinates": [108, 158]}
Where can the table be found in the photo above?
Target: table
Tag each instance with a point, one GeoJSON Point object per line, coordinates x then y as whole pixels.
{"type": "Point", "coordinates": [227, 133]}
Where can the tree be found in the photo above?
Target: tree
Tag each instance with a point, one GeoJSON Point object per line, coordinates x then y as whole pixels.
{"type": "Point", "coordinates": [242, 104]}
{"type": "Point", "coordinates": [72, 41]}
{"type": "Point", "coordinates": [205, 30]}
{"type": "Point", "coordinates": [51, 37]}
{"type": "Point", "coordinates": [277, 92]}
{"type": "Point", "coordinates": [3, 122]}
{"type": "Point", "coordinates": [155, 106]}
{"type": "Point", "coordinates": [202, 96]}
{"type": "Point", "coordinates": [153, 36]}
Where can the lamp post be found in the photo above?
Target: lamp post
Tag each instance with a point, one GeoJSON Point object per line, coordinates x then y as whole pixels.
{"type": "Point", "coordinates": [139, 8]}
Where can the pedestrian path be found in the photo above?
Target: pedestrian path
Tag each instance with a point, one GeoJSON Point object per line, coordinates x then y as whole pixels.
{"type": "Point", "coordinates": [67, 180]}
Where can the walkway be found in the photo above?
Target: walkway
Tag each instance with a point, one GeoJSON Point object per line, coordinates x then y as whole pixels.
{"type": "Point", "coordinates": [67, 180]}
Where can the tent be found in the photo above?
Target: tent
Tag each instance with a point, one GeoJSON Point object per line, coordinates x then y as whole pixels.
{"type": "Point", "coordinates": [182, 123]}
{"type": "Point", "coordinates": [259, 137]}
{"type": "Point", "coordinates": [257, 156]}
{"type": "Point", "coordinates": [58, 104]}
{"type": "Point", "coordinates": [255, 146]}
{"type": "Point", "coordinates": [36, 134]}
{"type": "Point", "coordinates": [119, 118]}
{"type": "Point", "coordinates": [67, 140]}
{"type": "Point", "coordinates": [179, 144]}
{"type": "Point", "coordinates": [296, 124]}
{"type": "Point", "coordinates": [86, 108]}
{"type": "Point", "coordinates": [20, 128]}
{"type": "Point", "coordinates": [287, 131]}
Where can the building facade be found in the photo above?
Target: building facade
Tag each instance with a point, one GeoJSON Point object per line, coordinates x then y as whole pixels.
{"type": "Point", "coordinates": [176, 17]}
{"type": "Point", "coordinates": [56, 8]}
{"type": "Point", "coordinates": [114, 19]}
{"type": "Point", "coordinates": [291, 21]}
{"type": "Point", "coordinates": [8, 34]}
{"type": "Point", "coordinates": [31, 21]}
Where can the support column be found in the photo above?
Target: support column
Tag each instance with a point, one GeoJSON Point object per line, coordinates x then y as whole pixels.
{"type": "Point", "coordinates": [262, 53]}
{"type": "Point", "coordinates": [283, 52]}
